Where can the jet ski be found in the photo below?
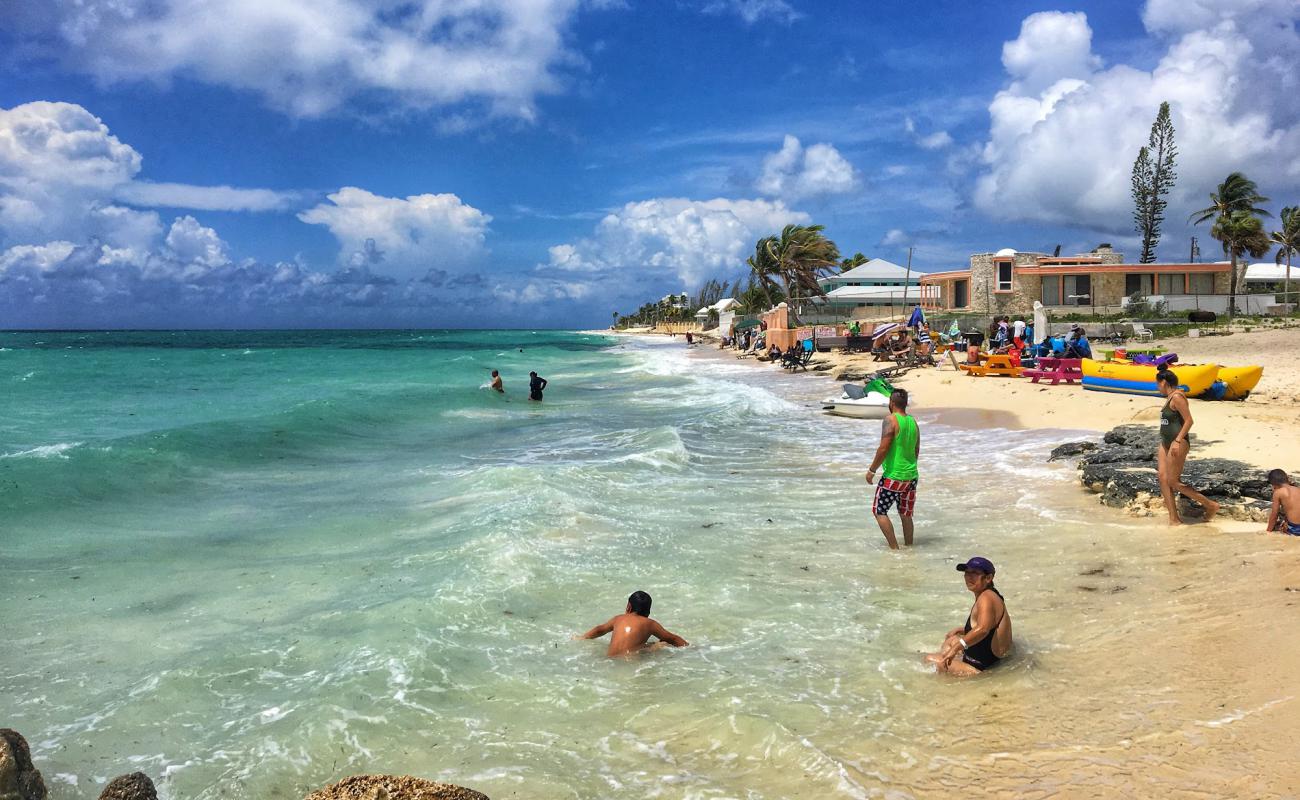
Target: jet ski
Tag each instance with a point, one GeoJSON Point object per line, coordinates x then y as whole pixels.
{"type": "Point", "coordinates": [856, 402]}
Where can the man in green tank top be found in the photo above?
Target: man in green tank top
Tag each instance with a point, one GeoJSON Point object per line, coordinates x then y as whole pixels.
{"type": "Point", "coordinates": [900, 445]}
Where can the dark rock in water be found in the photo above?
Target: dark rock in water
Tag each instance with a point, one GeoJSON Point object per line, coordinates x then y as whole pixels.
{"type": "Point", "coordinates": [135, 786]}
{"type": "Point", "coordinates": [19, 778]}
{"type": "Point", "coordinates": [393, 787]}
{"type": "Point", "coordinates": [851, 376]}
{"type": "Point", "coordinates": [1122, 469]}
{"type": "Point", "coordinates": [1071, 449]}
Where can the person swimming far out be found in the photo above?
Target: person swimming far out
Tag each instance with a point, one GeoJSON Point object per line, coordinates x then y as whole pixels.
{"type": "Point", "coordinates": [535, 386]}
{"type": "Point", "coordinates": [1284, 516]}
{"type": "Point", "coordinates": [985, 639]}
{"type": "Point", "coordinates": [633, 628]}
{"type": "Point", "coordinates": [496, 382]}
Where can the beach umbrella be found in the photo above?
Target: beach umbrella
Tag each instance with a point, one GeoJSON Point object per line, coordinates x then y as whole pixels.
{"type": "Point", "coordinates": [885, 330]}
{"type": "Point", "coordinates": [917, 318]}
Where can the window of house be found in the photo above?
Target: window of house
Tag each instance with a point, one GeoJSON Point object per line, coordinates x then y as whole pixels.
{"type": "Point", "coordinates": [1004, 276]}
{"type": "Point", "coordinates": [1078, 290]}
{"type": "Point", "coordinates": [1201, 283]}
{"type": "Point", "coordinates": [1172, 283]}
{"type": "Point", "coordinates": [1137, 282]}
{"type": "Point", "coordinates": [1051, 290]}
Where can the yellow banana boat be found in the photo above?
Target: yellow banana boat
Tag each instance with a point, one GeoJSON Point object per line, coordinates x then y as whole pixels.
{"type": "Point", "coordinates": [1106, 376]}
{"type": "Point", "coordinates": [1239, 380]}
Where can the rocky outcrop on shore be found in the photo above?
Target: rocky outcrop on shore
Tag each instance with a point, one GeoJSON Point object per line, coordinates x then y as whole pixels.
{"type": "Point", "coordinates": [1122, 469]}
{"type": "Point", "coordinates": [393, 787]}
{"type": "Point", "coordinates": [19, 778]}
{"type": "Point", "coordinates": [135, 786]}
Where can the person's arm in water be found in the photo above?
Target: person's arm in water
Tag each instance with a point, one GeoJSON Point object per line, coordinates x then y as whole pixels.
{"type": "Point", "coordinates": [887, 430]}
{"type": "Point", "coordinates": [543, 380]}
{"type": "Point", "coordinates": [1179, 404]}
{"type": "Point", "coordinates": [665, 635]}
{"type": "Point", "coordinates": [599, 631]}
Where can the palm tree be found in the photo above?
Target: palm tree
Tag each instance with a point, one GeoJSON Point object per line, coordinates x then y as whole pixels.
{"type": "Point", "coordinates": [803, 255]}
{"type": "Point", "coordinates": [855, 260]}
{"type": "Point", "coordinates": [1236, 195]}
{"type": "Point", "coordinates": [1241, 232]}
{"type": "Point", "coordinates": [764, 274]}
{"type": "Point", "coordinates": [1288, 242]}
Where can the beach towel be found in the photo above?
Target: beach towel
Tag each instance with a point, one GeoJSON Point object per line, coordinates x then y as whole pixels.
{"type": "Point", "coordinates": [917, 318]}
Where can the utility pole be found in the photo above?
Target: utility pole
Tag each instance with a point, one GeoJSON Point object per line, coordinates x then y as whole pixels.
{"type": "Point", "coordinates": [908, 279]}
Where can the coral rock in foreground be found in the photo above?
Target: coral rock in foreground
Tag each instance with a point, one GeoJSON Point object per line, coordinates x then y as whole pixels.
{"type": "Point", "coordinates": [393, 787]}
{"type": "Point", "coordinates": [19, 779]}
{"type": "Point", "coordinates": [135, 786]}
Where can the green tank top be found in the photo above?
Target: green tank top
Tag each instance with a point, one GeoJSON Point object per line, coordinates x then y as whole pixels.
{"type": "Point", "coordinates": [900, 462]}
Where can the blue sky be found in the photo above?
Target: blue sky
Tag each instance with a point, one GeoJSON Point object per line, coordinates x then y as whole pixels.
{"type": "Point", "coordinates": [389, 163]}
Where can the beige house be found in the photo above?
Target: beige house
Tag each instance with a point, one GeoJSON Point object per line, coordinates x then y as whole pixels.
{"type": "Point", "coordinates": [1009, 281]}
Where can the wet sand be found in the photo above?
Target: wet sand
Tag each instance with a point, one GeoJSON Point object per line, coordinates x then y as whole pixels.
{"type": "Point", "coordinates": [1161, 664]}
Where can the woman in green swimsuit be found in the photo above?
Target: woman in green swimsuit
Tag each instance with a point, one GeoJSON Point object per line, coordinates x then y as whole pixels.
{"type": "Point", "coordinates": [1175, 426]}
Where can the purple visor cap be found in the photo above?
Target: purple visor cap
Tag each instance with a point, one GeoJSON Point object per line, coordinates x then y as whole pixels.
{"type": "Point", "coordinates": [977, 564]}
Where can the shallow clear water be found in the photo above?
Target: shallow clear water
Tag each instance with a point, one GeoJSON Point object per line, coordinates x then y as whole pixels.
{"type": "Point", "coordinates": [249, 564]}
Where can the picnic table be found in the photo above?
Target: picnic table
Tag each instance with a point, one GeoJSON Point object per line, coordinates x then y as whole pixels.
{"type": "Point", "coordinates": [993, 365]}
{"type": "Point", "coordinates": [1109, 352]}
{"type": "Point", "coordinates": [1057, 369]}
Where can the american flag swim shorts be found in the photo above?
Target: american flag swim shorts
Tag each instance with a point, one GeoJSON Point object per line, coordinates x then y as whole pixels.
{"type": "Point", "coordinates": [890, 491]}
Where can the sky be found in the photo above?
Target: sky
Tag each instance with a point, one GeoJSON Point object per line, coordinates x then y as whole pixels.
{"type": "Point", "coordinates": [545, 163]}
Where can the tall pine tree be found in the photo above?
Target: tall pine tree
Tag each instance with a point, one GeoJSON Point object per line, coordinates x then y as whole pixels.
{"type": "Point", "coordinates": [1153, 178]}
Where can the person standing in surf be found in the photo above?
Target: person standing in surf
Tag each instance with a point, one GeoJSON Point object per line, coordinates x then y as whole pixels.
{"type": "Point", "coordinates": [535, 386]}
{"type": "Point", "coordinates": [496, 382]}
{"type": "Point", "coordinates": [1171, 455]}
{"type": "Point", "coordinates": [900, 445]}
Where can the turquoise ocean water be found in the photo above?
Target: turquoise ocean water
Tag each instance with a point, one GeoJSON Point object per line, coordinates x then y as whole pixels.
{"type": "Point", "coordinates": [249, 564]}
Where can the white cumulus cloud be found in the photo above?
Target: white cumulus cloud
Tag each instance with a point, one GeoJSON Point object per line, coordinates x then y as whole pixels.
{"type": "Point", "coordinates": [309, 57]}
{"type": "Point", "coordinates": [408, 236]}
{"type": "Point", "coordinates": [690, 240]}
{"type": "Point", "coordinates": [1065, 131]}
{"type": "Point", "coordinates": [204, 198]}
{"type": "Point", "coordinates": [796, 172]}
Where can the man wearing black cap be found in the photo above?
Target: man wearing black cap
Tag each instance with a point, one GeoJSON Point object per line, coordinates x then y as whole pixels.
{"type": "Point", "coordinates": [986, 638]}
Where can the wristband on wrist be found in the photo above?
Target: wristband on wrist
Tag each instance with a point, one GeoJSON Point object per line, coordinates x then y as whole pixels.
{"type": "Point", "coordinates": [962, 642]}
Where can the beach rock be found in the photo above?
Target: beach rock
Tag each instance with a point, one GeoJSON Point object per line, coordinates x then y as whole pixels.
{"type": "Point", "coordinates": [1071, 449]}
{"type": "Point", "coordinates": [135, 786]}
{"type": "Point", "coordinates": [1122, 469]}
{"type": "Point", "coordinates": [393, 787]}
{"type": "Point", "coordinates": [19, 778]}
{"type": "Point", "coordinates": [849, 375]}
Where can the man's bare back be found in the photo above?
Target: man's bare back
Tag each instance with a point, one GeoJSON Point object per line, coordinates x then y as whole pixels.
{"type": "Point", "coordinates": [1285, 513]}
{"type": "Point", "coordinates": [631, 630]}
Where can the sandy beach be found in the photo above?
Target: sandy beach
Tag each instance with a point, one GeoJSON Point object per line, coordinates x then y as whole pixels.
{"type": "Point", "coordinates": [1106, 738]}
{"type": "Point", "coordinates": [1264, 430]}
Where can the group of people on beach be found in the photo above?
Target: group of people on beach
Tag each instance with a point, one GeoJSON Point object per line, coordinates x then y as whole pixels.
{"type": "Point", "coordinates": [536, 385]}
{"type": "Point", "coordinates": [980, 644]}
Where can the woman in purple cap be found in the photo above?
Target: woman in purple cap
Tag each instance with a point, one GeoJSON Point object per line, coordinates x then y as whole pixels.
{"type": "Point", "coordinates": [986, 638]}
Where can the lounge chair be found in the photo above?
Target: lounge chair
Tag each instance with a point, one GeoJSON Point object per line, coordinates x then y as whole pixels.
{"type": "Point", "coordinates": [1142, 333]}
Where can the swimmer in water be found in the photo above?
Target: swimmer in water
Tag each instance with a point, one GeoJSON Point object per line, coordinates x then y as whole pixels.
{"type": "Point", "coordinates": [633, 628]}
{"type": "Point", "coordinates": [496, 382]}
{"type": "Point", "coordinates": [536, 384]}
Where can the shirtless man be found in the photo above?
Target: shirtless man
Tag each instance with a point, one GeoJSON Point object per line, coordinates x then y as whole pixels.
{"type": "Point", "coordinates": [986, 638]}
{"type": "Point", "coordinates": [633, 628]}
{"type": "Point", "coordinates": [1284, 516]}
{"type": "Point", "coordinates": [496, 382]}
